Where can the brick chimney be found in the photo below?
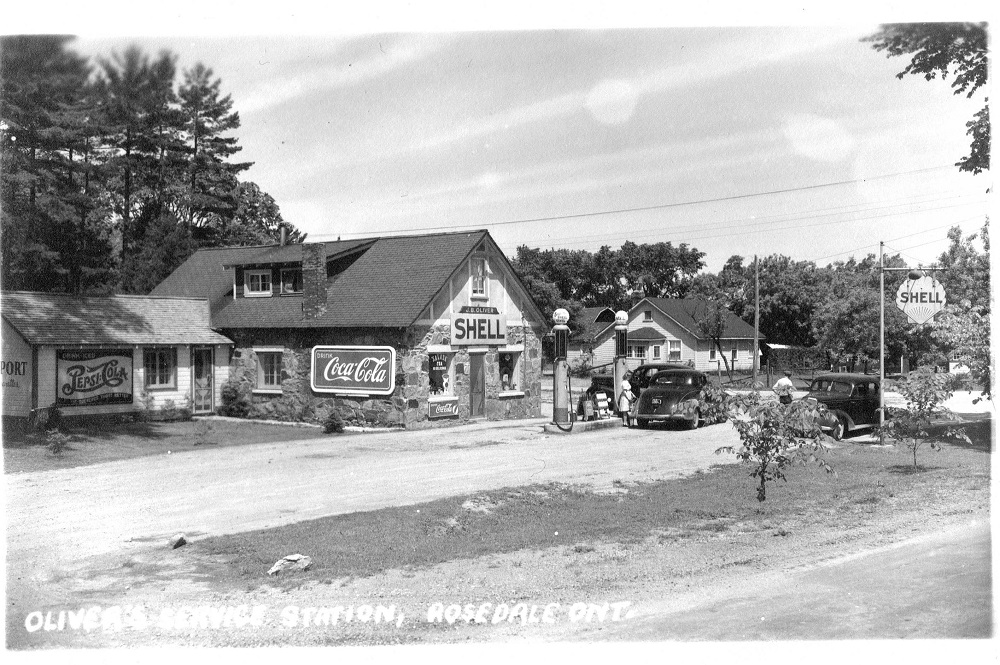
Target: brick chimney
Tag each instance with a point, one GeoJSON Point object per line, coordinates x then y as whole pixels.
{"type": "Point", "coordinates": [313, 280]}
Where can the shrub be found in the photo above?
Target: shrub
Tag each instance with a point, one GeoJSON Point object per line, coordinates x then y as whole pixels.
{"type": "Point", "coordinates": [775, 435]}
{"type": "Point", "coordinates": [924, 391]}
{"type": "Point", "coordinates": [333, 424]}
{"type": "Point", "coordinates": [580, 367]}
{"type": "Point", "coordinates": [235, 401]}
{"type": "Point", "coordinates": [56, 441]}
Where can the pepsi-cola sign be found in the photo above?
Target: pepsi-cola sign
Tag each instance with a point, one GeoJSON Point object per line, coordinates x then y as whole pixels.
{"type": "Point", "coordinates": [353, 370]}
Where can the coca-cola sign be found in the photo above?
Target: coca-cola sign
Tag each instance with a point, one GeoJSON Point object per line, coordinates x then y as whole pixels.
{"type": "Point", "coordinates": [354, 370]}
{"type": "Point", "coordinates": [91, 377]}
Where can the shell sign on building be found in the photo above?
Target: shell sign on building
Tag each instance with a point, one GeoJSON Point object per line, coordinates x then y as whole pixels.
{"type": "Point", "coordinates": [353, 370]}
{"type": "Point", "coordinates": [478, 326]}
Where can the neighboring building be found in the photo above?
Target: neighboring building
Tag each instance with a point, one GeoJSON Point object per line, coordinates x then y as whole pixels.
{"type": "Point", "coordinates": [593, 321]}
{"type": "Point", "coordinates": [461, 331]}
{"type": "Point", "coordinates": [666, 330]}
{"type": "Point", "coordinates": [108, 355]}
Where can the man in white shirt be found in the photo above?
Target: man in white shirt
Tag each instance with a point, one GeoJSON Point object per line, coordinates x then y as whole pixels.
{"type": "Point", "coordinates": [784, 387]}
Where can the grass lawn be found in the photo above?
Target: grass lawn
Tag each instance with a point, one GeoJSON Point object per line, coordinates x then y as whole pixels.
{"type": "Point", "coordinates": [93, 444]}
{"type": "Point", "coordinates": [871, 483]}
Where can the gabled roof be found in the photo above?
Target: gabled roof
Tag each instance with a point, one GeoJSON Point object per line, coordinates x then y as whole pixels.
{"type": "Point", "coordinates": [52, 318]}
{"type": "Point", "coordinates": [388, 286]}
{"type": "Point", "coordinates": [646, 334]}
{"type": "Point", "coordinates": [593, 321]}
{"type": "Point", "coordinates": [685, 310]}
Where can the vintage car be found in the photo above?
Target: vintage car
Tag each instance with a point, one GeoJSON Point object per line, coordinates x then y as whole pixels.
{"type": "Point", "coordinates": [852, 401]}
{"type": "Point", "coordinates": [642, 374]}
{"type": "Point", "coordinates": [664, 397]}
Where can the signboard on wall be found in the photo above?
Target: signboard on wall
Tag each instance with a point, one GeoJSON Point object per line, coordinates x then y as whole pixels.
{"type": "Point", "coordinates": [93, 377]}
{"type": "Point", "coordinates": [442, 408]}
{"type": "Point", "coordinates": [478, 326]}
{"type": "Point", "coordinates": [353, 370]}
{"type": "Point", "coordinates": [15, 372]}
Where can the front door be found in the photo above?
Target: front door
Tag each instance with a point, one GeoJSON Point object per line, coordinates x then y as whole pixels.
{"type": "Point", "coordinates": [477, 385]}
{"type": "Point", "coordinates": [203, 398]}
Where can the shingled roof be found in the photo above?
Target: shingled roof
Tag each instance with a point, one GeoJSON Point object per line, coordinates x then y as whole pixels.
{"type": "Point", "coordinates": [388, 286]}
{"type": "Point", "coordinates": [52, 318]}
{"type": "Point", "coordinates": [684, 311]}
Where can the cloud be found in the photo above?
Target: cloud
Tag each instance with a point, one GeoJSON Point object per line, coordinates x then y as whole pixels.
{"type": "Point", "coordinates": [393, 53]}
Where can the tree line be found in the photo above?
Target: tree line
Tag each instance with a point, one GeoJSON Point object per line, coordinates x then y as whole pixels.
{"type": "Point", "coordinates": [834, 308]}
{"type": "Point", "coordinates": [114, 172]}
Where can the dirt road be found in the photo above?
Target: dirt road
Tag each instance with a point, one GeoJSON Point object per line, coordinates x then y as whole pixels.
{"type": "Point", "coordinates": [59, 517]}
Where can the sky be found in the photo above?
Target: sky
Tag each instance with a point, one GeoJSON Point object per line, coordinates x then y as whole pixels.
{"type": "Point", "coordinates": [728, 133]}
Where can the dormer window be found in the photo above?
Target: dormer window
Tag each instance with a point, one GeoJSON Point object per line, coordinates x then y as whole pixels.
{"type": "Point", "coordinates": [291, 280]}
{"type": "Point", "coordinates": [257, 283]}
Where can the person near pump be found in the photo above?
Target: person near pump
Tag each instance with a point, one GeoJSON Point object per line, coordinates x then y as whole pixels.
{"type": "Point", "coordinates": [783, 388]}
{"type": "Point", "coordinates": [625, 401]}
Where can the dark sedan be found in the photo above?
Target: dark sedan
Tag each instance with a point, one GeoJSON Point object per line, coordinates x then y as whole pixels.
{"type": "Point", "coordinates": [671, 395]}
{"type": "Point", "coordinates": [851, 399]}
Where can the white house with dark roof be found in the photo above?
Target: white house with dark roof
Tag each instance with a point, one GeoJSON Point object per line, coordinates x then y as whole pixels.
{"type": "Point", "coordinates": [667, 330]}
{"type": "Point", "coordinates": [461, 330]}
{"type": "Point", "coordinates": [109, 355]}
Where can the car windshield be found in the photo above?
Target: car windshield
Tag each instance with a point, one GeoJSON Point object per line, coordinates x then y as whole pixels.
{"type": "Point", "coordinates": [830, 386]}
{"type": "Point", "coordinates": [676, 380]}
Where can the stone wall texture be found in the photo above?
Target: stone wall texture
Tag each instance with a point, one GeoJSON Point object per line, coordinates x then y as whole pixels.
{"type": "Point", "coordinates": [408, 405]}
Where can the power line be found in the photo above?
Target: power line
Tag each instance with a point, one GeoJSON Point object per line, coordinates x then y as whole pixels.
{"type": "Point", "coordinates": [661, 206]}
{"type": "Point", "coordinates": [909, 235]}
{"type": "Point", "coordinates": [756, 221]}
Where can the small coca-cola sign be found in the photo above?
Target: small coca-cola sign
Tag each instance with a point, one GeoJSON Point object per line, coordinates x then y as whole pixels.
{"type": "Point", "coordinates": [353, 370]}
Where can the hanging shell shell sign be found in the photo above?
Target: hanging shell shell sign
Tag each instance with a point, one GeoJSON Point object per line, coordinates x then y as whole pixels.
{"type": "Point", "coordinates": [920, 298]}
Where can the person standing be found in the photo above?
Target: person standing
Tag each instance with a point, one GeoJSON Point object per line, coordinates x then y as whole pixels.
{"type": "Point", "coordinates": [625, 402]}
{"type": "Point", "coordinates": [783, 388]}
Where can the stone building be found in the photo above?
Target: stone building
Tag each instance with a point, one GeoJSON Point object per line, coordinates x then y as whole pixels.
{"type": "Point", "coordinates": [446, 311]}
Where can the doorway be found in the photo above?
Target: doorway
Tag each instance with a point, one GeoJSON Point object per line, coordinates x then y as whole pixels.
{"type": "Point", "coordinates": [203, 397]}
{"type": "Point", "coordinates": [477, 385]}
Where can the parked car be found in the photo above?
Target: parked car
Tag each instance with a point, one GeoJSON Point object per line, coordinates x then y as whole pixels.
{"type": "Point", "coordinates": [851, 400]}
{"type": "Point", "coordinates": [662, 400]}
{"type": "Point", "coordinates": [642, 374]}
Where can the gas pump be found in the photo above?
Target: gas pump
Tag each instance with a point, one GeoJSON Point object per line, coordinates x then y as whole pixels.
{"type": "Point", "coordinates": [560, 370]}
{"type": "Point", "coordinates": [621, 351]}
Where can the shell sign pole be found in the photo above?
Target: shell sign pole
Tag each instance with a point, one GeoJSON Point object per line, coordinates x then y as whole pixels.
{"type": "Point", "coordinates": [920, 297]}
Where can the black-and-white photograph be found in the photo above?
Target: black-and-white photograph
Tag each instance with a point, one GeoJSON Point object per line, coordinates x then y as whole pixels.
{"type": "Point", "coordinates": [567, 327]}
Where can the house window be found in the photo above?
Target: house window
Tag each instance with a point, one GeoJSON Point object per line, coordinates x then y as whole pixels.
{"type": "Point", "coordinates": [268, 370]}
{"type": "Point", "coordinates": [440, 373]}
{"type": "Point", "coordinates": [291, 280]}
{"type": "Point", "coordinates": [647, 315]}
{"type": "Point", "coordinates": [734, 354]}
{"type": "Point", "coordinates": [711, 353]}
{"type": "Point", "coordinates": [257, 283]}
{"type": "Point", "coordinates": [637, 352]}
{"type": "Point", "coordinates": [480, 280]}
{"type": "Point", "coordinates": [656, 351]}
{"type": "Point", "coordinates": [674, 346]}
{"type": "Point", "coordinates": [508, 360]}
{"type": "Point", "coordinates": [160, 367]}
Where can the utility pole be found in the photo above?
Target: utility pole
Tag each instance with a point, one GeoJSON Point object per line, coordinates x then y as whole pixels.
{"type": "Point", "coordinates": [881, 343]}
{"type": "Point", "coordinates": [756, 319]}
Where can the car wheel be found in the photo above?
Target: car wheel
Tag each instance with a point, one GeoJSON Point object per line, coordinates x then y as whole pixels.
{"type": "Point", "coordinates": [694, 422]}
{"type": "Point", "coordinates": [839, 429]}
